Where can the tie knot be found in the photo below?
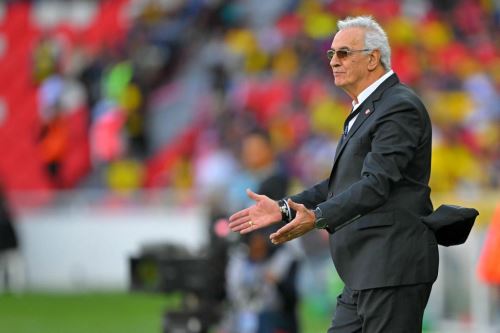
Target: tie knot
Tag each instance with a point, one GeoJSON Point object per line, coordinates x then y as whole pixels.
{"type": "Point", "coordinates": [351, 115]}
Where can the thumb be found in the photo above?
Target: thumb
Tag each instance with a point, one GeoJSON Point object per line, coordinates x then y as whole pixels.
{"type": "Point", "coordinates": [294, 205]}
{"type": "Point", "coordinates": [252, 195]}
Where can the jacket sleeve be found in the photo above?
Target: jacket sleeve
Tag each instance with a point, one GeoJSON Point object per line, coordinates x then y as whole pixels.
{"type": "Point", "coordinates": [395, 138]}
{"type": "Point", "coordinates": [313, 195]}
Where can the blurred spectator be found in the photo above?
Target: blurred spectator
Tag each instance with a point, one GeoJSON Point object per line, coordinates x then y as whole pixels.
{"type": "Point", "coordinates": [214, 168]}
{"type": "Point", "coordinates": [261, 171]}
{"type": "Point", "coordinates": [261, 277]}
{"type": "Point", "coordinates": [107, 139]}
{"type": "Point", "coordinates": [53, 139]}
{"type": "Point", "coordinates": [46, 58]}
{"type": "Point", "coordinates": [124, 175]}
{"type": "Point", "coordinates": [261, 283]}
{"type": "Point", "coordinates": [170, 64]}
{"type": "Point", "coordinates": [465, 173]}
{"type": "Point", "coordinates": [260, 159]}
{"type": "Point", "coordinates": [11, 276]}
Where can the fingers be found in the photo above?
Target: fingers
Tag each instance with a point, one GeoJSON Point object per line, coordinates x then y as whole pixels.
{"type": "Point", "coordinates": [280, 239]}
{"type": "Point", "coordinates": [238, 221]}
{"type": "Point", "coordinates": [238, 215]}
{"type": "Point", "coordinates": [241, 222]}
{"type": "Point", "coordinates": [248, 228]}
{"type": "Point", "coordinates": [284, 234]}
{"type": "Point", "coordinates": [275, 239]}
{"type": "Point", "coordinates": [251, 218]}
{"type": "Point", "coordinates": [302, 224]}
{"type": "Point", "coordinates": [252, 195]}
{"type": "Point", "coordinates": [295, 206]}
{"type": "Point", "coordinates": [285, 229]}
{"type": "Point", "coordinates": [243, 227]}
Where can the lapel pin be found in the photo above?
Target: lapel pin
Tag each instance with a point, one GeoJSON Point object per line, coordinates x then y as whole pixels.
{"type": "Point", "coordinates": [367, 112]}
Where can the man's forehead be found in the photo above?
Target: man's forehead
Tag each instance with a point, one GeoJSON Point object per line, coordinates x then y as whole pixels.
{"type": "Point", "coordinates": [348, 38]}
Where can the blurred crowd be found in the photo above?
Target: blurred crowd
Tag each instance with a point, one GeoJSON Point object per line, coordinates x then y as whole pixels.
{"type": "Point", "coordinates": [169, 103]}
{"type": "Point", "coordinates": [215, 96]}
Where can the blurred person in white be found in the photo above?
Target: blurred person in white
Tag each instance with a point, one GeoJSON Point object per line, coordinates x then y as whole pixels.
{"type": "Point", "coordinates": [214, 167]}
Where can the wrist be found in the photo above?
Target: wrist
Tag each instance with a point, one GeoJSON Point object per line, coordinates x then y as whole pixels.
{"type": "Point", "coordinates": [277, 213]}
{"type": "Point", "coordinates": [286, 215]}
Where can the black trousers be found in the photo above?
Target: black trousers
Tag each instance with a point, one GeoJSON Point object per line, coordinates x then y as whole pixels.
{"type": "Point", "coordinates": [392, 309]}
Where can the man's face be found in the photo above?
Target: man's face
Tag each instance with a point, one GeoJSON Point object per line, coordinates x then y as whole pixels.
{"type": "Point", "coordinates": [256, 153]}
{"type": "Point", "coordinates": [350, 72]}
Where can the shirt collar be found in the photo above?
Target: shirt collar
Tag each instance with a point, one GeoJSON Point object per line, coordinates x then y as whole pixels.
{"type": "Point", "coordinates": [370, 89]}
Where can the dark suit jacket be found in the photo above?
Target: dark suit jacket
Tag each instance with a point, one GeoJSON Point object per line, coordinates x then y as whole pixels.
{"type": "Point", "coordinates": [378, 191]}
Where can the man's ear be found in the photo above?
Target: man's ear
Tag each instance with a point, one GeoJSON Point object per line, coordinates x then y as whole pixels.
{"type": "Point", "coordinates": [374, 60]}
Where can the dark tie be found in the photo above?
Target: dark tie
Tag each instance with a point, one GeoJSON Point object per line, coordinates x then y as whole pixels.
{"type": "Point", "coordinates": [348, 119]}
{"type": "Point", "coordinates": [346, 127]}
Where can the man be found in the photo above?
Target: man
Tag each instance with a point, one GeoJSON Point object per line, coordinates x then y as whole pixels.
{"type": "Point", "coordinates": [373, 201]}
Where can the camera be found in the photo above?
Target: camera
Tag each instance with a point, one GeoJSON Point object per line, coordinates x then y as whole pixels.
{"type": "Point", "coordinates": [199, 278]}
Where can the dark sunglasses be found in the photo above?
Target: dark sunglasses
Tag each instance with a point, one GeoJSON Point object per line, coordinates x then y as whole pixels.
{"type": "Point", "coordinates": [342, 53]}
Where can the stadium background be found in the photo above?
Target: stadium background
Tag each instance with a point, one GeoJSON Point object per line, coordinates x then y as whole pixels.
{"type": "Point", "coordinates": [120, 122]}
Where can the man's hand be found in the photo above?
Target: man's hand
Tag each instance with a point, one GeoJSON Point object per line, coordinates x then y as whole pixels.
{"type": "Point", "coordinates": [301, 224]}
{"type": "Point", "coordinates": [264, 213]}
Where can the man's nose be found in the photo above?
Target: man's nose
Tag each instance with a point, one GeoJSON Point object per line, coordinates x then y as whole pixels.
{"type": "Point", "coordinates": [334, 63]}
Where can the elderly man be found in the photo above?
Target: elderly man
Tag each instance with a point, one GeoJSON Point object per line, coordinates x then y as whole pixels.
{"type": "Point", "coordinates": [373, 201]}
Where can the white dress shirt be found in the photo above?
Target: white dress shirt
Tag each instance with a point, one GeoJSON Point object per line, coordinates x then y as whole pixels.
{"type": "Point", "coordinates": [365, 93]}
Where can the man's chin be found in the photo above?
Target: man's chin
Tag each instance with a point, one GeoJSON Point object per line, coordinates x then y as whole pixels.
{"type": "Point", "coordinates": [338, 83]}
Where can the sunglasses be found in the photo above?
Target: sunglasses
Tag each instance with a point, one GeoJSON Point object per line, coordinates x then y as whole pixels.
{"type": "Point", "coordinates": [342, 53]}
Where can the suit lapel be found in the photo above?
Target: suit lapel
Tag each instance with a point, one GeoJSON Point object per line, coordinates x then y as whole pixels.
{"type": "Point", "coordinates": [367, 109]}
{"type": "Point", "coordinates": [362, 116]}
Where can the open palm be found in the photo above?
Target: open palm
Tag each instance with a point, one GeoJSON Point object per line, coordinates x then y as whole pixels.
{"type": "Point", "coordinates": [263, 213]}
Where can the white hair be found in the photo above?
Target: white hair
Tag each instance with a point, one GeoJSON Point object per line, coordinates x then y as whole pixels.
{"type": "Point", "coordinates": [375, 36]}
